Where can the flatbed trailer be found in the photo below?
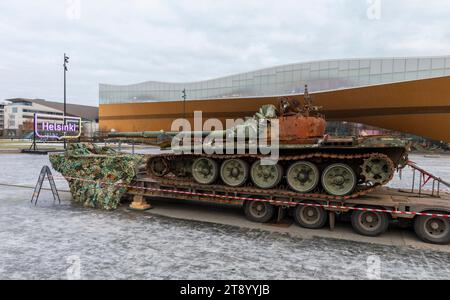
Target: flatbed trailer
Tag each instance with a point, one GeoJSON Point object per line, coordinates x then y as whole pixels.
{"type": "Point", "coordinates": [370, 214]}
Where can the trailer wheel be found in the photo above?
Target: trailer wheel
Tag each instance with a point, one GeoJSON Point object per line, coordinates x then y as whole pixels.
{"type": "Point", "coordinates": [312, 217]}
{"type": "Point", "coordinates": [370, 223]}
{"type": "Point", "coordinates": [435, 230]}
{"type": "Point", "coordinates": [256, 211]}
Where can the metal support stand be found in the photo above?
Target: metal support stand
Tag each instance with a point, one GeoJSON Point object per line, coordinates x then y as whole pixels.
{"type": "Point", "coordinates": [139, 202]}
{"type": "Point", "coordinates": [280, 214]}
{"type": "Point", "coordinates": [332, 218]}
{"type": "Point", "coordinates": [45, 172]}
{"type": "Point", "coordinates": [33, 145]}
{"type": "Point", "coordinates": [66, 61]}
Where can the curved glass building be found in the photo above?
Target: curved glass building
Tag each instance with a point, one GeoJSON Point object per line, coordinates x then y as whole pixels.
{"type": "Point", "coordinates": [403, 94]}
{"type": "Point", "coordinates": [284, 80]}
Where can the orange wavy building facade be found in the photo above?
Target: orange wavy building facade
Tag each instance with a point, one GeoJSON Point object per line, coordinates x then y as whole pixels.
{"type": "Point", "coordinates": [420, 107]}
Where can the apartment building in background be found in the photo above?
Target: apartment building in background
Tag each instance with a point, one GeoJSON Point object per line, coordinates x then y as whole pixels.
{"type": "Point", "coordinates": [2, 118]}
{"type": "Point", "coordinates": [18, 120]}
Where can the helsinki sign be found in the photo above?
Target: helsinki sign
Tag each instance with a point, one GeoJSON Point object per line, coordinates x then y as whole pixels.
{"type": "Point", "coordinates": [60, 127]}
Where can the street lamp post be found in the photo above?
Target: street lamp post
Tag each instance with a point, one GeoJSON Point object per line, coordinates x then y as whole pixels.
{"type": "Point", "coordinates": [184, 103]}
{"type": "Point", "coordinates": [66, 61]}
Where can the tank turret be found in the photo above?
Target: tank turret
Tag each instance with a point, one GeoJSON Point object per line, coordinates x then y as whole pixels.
{"type": "Point", "coordinates": [300, 124]}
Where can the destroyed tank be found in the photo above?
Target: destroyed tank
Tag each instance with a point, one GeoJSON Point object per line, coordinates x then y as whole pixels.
{"type": "Point", "coordinates": [310, 162]}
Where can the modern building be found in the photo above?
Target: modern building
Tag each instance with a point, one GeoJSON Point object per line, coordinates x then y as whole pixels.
{"type": "Point", "coordinates": [410, 95]}
{"type": "Point", "coordinates": [19, 115]}
{"type": "Point", "coordinates": [2, 118]}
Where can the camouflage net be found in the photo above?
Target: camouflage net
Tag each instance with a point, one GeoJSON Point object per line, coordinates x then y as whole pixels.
{"type": "Point", "coordinates": [108, 168]}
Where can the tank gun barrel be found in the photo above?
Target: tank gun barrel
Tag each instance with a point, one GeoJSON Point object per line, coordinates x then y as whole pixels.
{"type": "Point", "coordinates": [156, 134]}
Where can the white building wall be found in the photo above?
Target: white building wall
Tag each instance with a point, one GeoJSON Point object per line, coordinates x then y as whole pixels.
{"type": "Point", "coordinates": [18, 113]}
{"type": "Point", "coordinates": [2, 116]}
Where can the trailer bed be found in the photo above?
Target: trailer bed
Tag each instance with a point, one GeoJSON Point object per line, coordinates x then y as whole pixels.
{"type": "Point", "coordinates": [395, 199]}
{"type": "Point", "coordinates": [398, 204]}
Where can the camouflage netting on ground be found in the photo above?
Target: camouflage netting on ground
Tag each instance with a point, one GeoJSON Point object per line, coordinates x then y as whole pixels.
{"type": "Point", "coordinates": [104, 168]}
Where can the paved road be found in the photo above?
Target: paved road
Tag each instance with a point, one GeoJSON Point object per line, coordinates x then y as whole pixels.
{"type": "Point", "coordinates": [51, 241]}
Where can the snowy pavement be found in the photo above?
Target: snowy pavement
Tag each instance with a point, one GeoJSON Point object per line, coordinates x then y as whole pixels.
{"type": "Point", "coordinates": [53, 242]}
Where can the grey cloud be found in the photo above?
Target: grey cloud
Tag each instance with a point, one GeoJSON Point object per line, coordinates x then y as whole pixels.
{"type": "Point", "coordinates": [132, 41]}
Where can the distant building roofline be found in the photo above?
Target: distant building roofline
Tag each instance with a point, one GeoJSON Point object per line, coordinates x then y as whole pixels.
{"type": "Point", "coordinates": [84, 111]}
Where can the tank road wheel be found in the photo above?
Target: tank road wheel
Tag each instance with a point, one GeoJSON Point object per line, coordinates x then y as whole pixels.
{"type": "Point", "coordinates": [339, 179]}
{"type": "Point", "coordinates": [234, 172]}
{"type": "Point", "coordinates": [205, 170]}
{"type": "Point", "coordinates": [181, 168]}
{"type": "Point", "coordinates": [370, 223]}
{"type": "Point", "coordinates": [377, 170]}
{"type": "Point", "coordinates": [261, 212]}
{"type": "Point", "coordinates": [312, 217]}
{"type": "Point", "coordinates": [158, 166]}
{"type": "Point", "coordinates": [266, 177]}
{"type": "Point", "coordinates": [303, 176]}
{"type": "Point", "coordinates": [434, 230]}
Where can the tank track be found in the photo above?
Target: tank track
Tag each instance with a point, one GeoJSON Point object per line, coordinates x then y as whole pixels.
{"type": "Point", "coordinates": [360, 190]}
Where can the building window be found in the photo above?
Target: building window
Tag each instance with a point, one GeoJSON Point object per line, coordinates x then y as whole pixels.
{"type": "Point", "coordinates": [14, 110]}
{"type": "Point", "coordinates": [42, 112]}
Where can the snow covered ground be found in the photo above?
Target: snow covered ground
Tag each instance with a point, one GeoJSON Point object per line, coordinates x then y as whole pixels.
{"type": "Point", "coordinates": [59, 242]}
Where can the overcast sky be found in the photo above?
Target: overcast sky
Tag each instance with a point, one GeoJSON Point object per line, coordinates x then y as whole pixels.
{"type": "Point", "coordinates": [123, 42]}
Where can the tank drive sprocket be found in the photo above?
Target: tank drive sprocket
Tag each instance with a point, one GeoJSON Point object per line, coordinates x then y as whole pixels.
{"type": "Point", "coordinates": [377, 169]}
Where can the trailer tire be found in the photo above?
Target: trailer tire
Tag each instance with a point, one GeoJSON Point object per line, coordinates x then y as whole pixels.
{"type": "Point", "coordinates": [435, 230]}
{"type": "Point", "coordinates": [369, 223]}
{"type": "Point", "coordinates": [312, 217]}
{"type": "Point", "coordinates": [257, 211]}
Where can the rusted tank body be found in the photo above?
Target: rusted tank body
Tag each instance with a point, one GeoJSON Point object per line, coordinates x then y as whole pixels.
{"type": "Point", "coordinates": [299, 129]}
